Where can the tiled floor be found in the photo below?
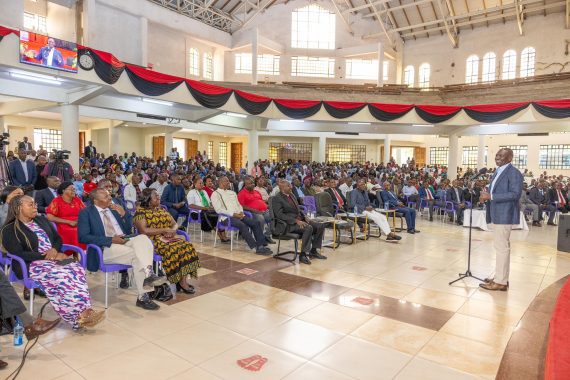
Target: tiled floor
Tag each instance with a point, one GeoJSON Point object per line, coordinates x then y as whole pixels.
{"type": "Point", "coordinates": [373, 310]}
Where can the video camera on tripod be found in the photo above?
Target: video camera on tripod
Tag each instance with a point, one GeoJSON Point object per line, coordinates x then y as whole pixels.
{"type": "Point", "coordinates": [4, 140]}
{"type": "Point", "coordinates": [61, 154]}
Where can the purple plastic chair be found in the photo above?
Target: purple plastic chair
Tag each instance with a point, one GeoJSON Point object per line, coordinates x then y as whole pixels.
{"type": "Point", "coordinates": [158, 259]}
{"type": "Point", "coordinates": [27, 281]}
{"type": "Point", "coordinates": [226, 225]}
{"type": "Point", "coordinates": [310, 204]}
{"type": "Point", "coordinates": [106, 268]}
{"type": "Point", "coordinates": [197, 221]}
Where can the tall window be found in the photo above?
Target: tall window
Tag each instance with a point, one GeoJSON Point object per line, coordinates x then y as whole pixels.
{"type": "Point", "coordinates": [470, 155]}
{"type": "Point", "coordinates": [267, 64]}
{"type": "Point", "coordinates": [554, 157]}
{"type": "Point", "coordinates": [223, 154]}
{"type": "Point", "coordinates": [362, 68]}
{"type": "Point", "coordinates": [208, 66]}
{"type": "Point", "coordinates": [345, 153]}
{"type": "Point", "coordinates": [321, 67]}
{"type": "Point", "coordinates": [438, 155]}
{"type": "Point", "coordinates": [49, 138]}
{"type": "Point", "coordinates": [509, 65]}
{"type": "Point", "coordinates": [313, 27]}
{"type": "Point", "coordinates": [424, 74]}
{"type": "Point", "coordinates": [409, 76]}
{"type": "Point", "coordinates": [194, 63]}
{"type": "Point", "coordinates": [489, 67]}
{"type": "Point", "coordinates": [520, 155]}
{"type": "Point", "coordinates": [472, 69]}
{"type": "Point", "coordinates": [528, 56]}
{"type": "Point", "coordinates": [290, 151]}
{"type": "Point", "coordinates": [210, 151]}
{"type": "Point", "coordinates": [35, 22]}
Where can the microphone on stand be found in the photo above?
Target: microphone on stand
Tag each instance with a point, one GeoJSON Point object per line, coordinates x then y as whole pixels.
{"type": "Point", "coordinates": [481, 172]}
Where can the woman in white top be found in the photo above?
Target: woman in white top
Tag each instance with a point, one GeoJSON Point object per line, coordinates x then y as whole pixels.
{"type": "Point", "coordinates": [198, 199]}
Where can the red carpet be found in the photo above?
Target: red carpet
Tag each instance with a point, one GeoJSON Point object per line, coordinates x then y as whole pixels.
{"type": "Point", "coordinates": [557, 366]}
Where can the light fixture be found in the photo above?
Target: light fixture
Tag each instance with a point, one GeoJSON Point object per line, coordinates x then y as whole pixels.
{"type": "Point", "coordinates": [358, 123]}
{"type": "Point", "coordinates": [233, 114]}
{"type": "Point", "coordinates": [292, 120]}
{"type": "Point", "coordinates": [423, 125]}
{"type": "Point", "coordinates": [156, 101]}
{"type": "Point", "coordinates": [37, 78]}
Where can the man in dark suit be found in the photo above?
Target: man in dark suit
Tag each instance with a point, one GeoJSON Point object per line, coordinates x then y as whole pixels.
{"type": "Point", "coordinates": [23, 171]}
{"type": "Point", "coordinates": [287, 209]}
{"type": "Point", "coordinates": [537, 195]}
{"type": "Point", "coordinates": [455, 196]}
{"type": "Point", "coordinates": [336, 195]}
{"type": "Point", "coordinates": [427, 195]}
{"type": "Point", "coordinates": [44, 197]}
{"type": "Point", "coordinates": [90, 151]}
{"type": "Point", "coordinates": [25, 145]}
{"type": "Point", "coordinates": [558, 198]}
{"type": "Point", "coordinates": [107, 227]}
{"type": "Point", "coordinates": [174, 198]}
{"type": "Point", "coordinates": [393, 202]}
{"type": "Point", "coordinates": [504, 212]}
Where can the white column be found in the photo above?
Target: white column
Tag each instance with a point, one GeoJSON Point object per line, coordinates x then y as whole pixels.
{"type": "Point", "coordinates": [144, 41]}
{"type": "Point", "coordinates": [322, 152]}
{"type": "Point", "coordinates": [399, 62]}
{"type": "Point", "coordinates": [168, 143]}
{"type": "Point", "coordinates": [89, 23]}
{"type": "Point", "coordinates": [3, 125]}
{"type": "Point", "coordinates": [453, 153]}
{"type": "Point", "coordinates": [114, 146]}
{"type": "Point", "coordinates": [380, 82]}
{"type": "Point", "coordinates": [70, 133]}
{"type": "Point", "coordinates": [481, 152]}
{"type": "Point", "coordinates": [252, 148]}
{"type": "Point", "coordinates": [254, 53]}
{"type": "Point", "coordinates": [387, 143]}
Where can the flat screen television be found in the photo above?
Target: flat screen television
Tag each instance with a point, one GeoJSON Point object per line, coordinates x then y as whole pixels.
{"type": "Point", "coordinates": [40, 50]}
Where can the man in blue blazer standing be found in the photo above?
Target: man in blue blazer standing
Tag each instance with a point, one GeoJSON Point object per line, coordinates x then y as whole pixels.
{"type": "Point", "coordinates": [502, 200]}
{"type": "Point", "coordinates": [23, 171]}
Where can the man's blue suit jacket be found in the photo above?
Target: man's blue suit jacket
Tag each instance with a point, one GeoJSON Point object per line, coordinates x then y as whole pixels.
{"type": "Point", "coordinates": [504, 207]}
{"type": "Point", "coordinates": [18, 176]}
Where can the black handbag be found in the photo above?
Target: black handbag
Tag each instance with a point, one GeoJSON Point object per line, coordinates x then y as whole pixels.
{"type": "Point", "coordinates": [161, 293]}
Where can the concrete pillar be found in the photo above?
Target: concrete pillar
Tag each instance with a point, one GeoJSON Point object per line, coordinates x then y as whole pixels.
{"type": "Point", "coordinates": [322, 152]}
{"type": "Point", "coordinates": [114, 146]}
{"type": "Point", "coordinates": [252, 148]}
{"type": "Point", "coordinates": [144, 41]}
{"type": "Point", "coordinates": [453, 154]}
{"type": "Point", "coordinates": [380, 81]}
{"type": "Point", "coordinates": [481, 152]}
{"type": "Point", "coordinates": [399, 62]}
{"type": "Point", "coordinates": [387, 143]}
{"type": "Point", "coordinates": [168, 143]}
{"type": "Point", "coordinates": [3, 124]}
{"type": "Point", "coordinates": [70, 133]}
{"type": "Point", "coordinates": [254, 53]}
{"type": "Point", "coordinates": [89, 22]}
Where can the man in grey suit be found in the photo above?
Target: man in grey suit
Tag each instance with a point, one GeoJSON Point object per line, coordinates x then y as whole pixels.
{"type": "Point", "coordinates": [526, 203]}
{"type": "Point", "coordinates": [286, 208]}
{"type": "Point", "coordinates": [537, 195]}
{"type": "Point", "coordinates": [503, 211]}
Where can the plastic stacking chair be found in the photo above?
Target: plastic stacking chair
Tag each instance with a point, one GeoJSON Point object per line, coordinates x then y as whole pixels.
{"type": "Point", "coordinates": [224, 223]}
{"type": "Point", "coordinates": [106, 268]}
{"type": "Point", "coordinates": [310, 204]}
{"type": "Point", "coordinates": [194, 222]}
{"type": "Point", "coordinates": [158, 259]}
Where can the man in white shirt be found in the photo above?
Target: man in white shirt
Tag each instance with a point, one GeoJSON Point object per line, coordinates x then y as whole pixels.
{"type": "Point", "coordinates": [132, 190]}
{"type": "Point", "coordinates": [345, 186]}
{"type": "Point", "coordinates": [226, 202]}
{"type": "Point", "coordinates": [411, 192]}
{"type": "Point", "coordinates": [160, 184]}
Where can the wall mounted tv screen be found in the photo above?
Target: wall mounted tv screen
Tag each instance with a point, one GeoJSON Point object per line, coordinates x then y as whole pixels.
{"type": "Point", "coordinates": [40, 50]}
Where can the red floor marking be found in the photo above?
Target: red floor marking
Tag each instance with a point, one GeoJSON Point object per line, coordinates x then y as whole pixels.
{"type": "Point", "coordinates": [419, 269]}
{"type": "Point", "coordinates": [254, 363]}
{"type": "Point", "coordinates": [363, 300]}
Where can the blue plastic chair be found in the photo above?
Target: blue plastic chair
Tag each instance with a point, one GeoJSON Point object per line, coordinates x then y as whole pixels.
{"type": "Point", "coordinates": [106, 268]}
{"type": "Point", "coordinates": [27, 281]}
{"type": "Point", "coordinates": [450, 209]}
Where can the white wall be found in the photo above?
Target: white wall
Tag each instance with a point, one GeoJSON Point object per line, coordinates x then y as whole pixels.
{"type": "Point", "coordinates": [546, 34]}
{"type": "Point", "coordinates": [61, 22]}
{"type": "Point", "coordinates": [12, 14]}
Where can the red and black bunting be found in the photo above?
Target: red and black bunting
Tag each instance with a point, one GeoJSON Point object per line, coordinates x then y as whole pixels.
{"type": "Point", "coordinates": [388, 112]}
{"type": "Point", "coordinates": [491, 113]}
{"type": "Point", "coordinates": [298, 109]}
{"type": "Point", "coordinates": [251, 103]}
{"type": "Point", "coordinates": [437, 114]}
{"type": "Point", "coordinates": [107, 67]}
{"type": "Point", "coordinates": [554, 109]}
{"type": "Point", "coordinates": [342, 110]}
{"type": "Point", "coordinates": [6, 31]}
{"type": "Point", "coordinates": [150, 82]}
{"type": "Point", "coordinates": [208, 95]}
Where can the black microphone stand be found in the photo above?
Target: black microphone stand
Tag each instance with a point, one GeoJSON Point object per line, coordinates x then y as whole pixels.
{"type": "Point", "coordinates": [468, 271]}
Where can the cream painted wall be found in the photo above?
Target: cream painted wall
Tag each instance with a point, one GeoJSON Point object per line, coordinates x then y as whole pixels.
{"type": "Point", "coordinates": [61, 22]}
{"type": "Point", "coordinates": [100, 138]}
{"type": "Point", "coordinates": [495, 141]}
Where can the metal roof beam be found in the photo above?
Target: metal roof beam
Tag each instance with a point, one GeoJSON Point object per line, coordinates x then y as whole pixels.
{"type": "Point", "coordinates": [567, 14]}
{"type": "Point", "coordinates": [520, 16]}
{"type": "Point", "coordinates": [260, 9]}
{"type": "Point", "coordinates": [341, 15]}
{"type": "Point", "coordinates": [450, 34]}
{"type": "Point", "coordinates": [390, 40]}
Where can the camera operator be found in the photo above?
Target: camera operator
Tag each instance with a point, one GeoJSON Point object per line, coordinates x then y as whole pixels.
{"type": "Point", "coordinates": [59, 167]}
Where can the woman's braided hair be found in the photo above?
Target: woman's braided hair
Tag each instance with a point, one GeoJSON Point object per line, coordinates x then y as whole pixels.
{"type": "Point", "coordinates": [13, 213]}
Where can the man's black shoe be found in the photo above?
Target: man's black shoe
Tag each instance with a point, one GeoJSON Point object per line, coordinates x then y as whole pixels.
{"type": "Point", "coordinates": [153, 280]}
{"type": "Point", "coordinates": [263, 251]}
{"type": "Point", "coordinates": [304, 259]}
{"type": "Point", "coordinates": [314, 254]}
{"type": "Point", "coordinates": [269, 240]}
{"type": "Point", "coordinates": [552, 224]}
{"type": "Point", "coordinates": [147, 304]}
{"type": "Point", "coordinates": [411, 232]}
{"type": "Point", "coordinates": [124, 281]}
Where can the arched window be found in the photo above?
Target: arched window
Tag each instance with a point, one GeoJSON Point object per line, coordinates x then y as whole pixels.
{"type": "Point", "coordinates": [194, 63]}
{"type": "Point", "coordinates": [472, 69]}
{"type": "Point", "coordinates": [509, 65]}
{"type": "Point", "coordinates": [208, 66]}
{"type": "Point", "coordinates": [489, 67]}
{"type": "Point", "coordinates": [313, 27]}
{"type": "Point", "coordinates": [527, 62]}
{"type": "Point", "coordinates": [409, 76]}
{"type": "Point", "coordinates": [424, 74]}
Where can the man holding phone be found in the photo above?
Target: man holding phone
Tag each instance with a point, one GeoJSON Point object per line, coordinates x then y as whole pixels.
{"type": "Point", "coordinates": [108, 228]}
